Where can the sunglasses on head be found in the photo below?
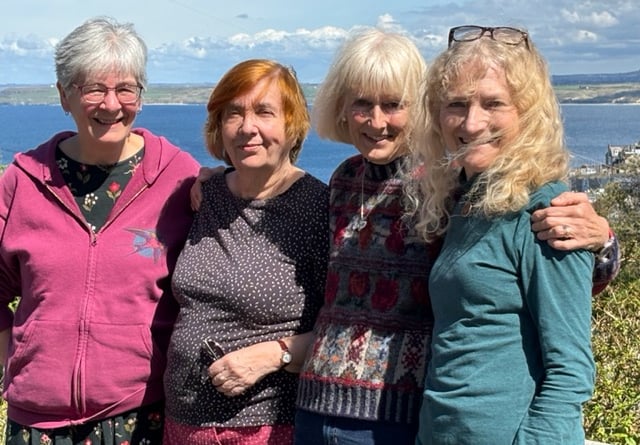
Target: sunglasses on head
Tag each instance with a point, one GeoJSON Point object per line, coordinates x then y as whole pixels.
{"type": "Point", "coordinates": [502, 34]}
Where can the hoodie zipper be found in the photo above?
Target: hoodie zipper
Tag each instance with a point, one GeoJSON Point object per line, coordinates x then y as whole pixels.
{"type": "Point", "coordinates": [78, 376]}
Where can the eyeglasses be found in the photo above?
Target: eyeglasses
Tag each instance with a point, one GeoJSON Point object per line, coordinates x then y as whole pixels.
{"type": "Point", "coordinates": [96, 93]}
{"type": "Point", "coordinates": [502, 34]}
{"type": "Point", "coordinates": [210, 351]}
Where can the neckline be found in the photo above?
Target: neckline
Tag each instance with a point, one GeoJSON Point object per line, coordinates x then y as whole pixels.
{"type": "Point", "coordinates": [105, 167]}
{"type": "Point", "coordinates": [258, 201]}
{"type": "Point", "coordinates": [381, 172]}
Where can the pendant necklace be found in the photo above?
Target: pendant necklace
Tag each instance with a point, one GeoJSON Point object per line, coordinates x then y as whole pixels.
{"type": "Point", "coordinates": [361, 220]}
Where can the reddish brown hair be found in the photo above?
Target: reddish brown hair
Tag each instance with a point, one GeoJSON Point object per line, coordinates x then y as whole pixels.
{"type": "Point", "coordinates": [240, 80]}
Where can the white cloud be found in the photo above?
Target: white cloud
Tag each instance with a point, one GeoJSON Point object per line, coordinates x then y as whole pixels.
{"type": "Point", "coordinates": [574, 35]}
{"type": "Point", "coordinates": [27, 46]}
{"type": "Point", "coordinates": [604, 19]}
{"type": "Point", "coordinates": [583, 36]}
{"type": "Point", "coordinates": [270, 36]}
{"type": "Point", "coordinates": [594, 18]}
{"type": "Point", "coordinates": [387, 22]}
{"type": "Point", "coordinates": [241, 40]}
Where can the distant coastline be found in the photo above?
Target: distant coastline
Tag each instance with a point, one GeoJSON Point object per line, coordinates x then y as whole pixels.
{"type": "Point", "coordinates": [588, 93]}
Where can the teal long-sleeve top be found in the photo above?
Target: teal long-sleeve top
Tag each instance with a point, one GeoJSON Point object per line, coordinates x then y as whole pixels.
{"type": "Point", "coordinates": [511, 352]}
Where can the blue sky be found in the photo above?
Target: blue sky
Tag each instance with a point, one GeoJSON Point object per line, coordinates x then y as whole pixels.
{"type": "Point", "coordinates": [196, 41]}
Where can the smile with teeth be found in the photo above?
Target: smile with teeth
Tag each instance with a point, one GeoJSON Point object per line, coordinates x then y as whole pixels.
{"type": "Point", "coordinates": [383, 137]}
{"type": "Point", "coordinates": [481, 141]}
{"type": "Point", "coordinates": [107, 121]}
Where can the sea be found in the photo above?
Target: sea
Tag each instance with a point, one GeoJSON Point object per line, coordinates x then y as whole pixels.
{"type": "Point", "coordinates": [588, 131]}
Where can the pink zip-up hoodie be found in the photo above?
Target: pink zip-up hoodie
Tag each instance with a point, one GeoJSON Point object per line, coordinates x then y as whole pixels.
{"type": "Point", "coordinates": [96, 310]}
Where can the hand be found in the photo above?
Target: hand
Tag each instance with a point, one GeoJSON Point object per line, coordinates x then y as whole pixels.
{"type": "Point", "coordinates": [237, 371]}
{"type": "Point", "coordinates": [195, 193]}
{"type": "Point", "coordinates": [571, 223]}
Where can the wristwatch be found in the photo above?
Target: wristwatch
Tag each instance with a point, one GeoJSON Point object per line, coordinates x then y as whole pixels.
{"type": "Point", "coordinates": [285, 359]}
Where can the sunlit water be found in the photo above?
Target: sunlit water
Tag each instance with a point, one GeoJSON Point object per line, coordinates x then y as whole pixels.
{"type": "Point", "coordinates": [588, 128]}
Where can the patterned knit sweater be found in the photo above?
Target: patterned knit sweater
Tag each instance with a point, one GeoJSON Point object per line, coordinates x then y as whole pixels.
{"type": "Point", "coordinates": [373, 334]}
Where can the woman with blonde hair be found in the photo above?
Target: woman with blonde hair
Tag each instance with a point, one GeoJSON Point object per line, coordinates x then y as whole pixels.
{"type": "Point", "coordinates": [511, 359]}
{"type": "Point", "coordinates": [363, 379]}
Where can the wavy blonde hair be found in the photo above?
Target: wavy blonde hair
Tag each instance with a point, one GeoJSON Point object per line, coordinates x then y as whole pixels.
{"type": "Point", "coordinates": [371, 62]}
{"type": "Point", "coordinates": [531, 158]}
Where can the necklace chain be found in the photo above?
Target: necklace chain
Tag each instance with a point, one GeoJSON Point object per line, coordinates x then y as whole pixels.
{"type": "Point", "coordinates": [361, 220]}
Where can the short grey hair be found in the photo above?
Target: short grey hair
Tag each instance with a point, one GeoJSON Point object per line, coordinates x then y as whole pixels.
{"type": "Point", "coordinates": [100, 45]}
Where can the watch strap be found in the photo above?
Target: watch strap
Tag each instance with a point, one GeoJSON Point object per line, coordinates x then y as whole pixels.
{"type": "Point", "coordinates": [286, 354]}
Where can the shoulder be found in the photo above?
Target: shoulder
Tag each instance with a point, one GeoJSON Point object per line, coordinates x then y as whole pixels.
{"type": "Point", "coordinates": [217, 181]}
{"type": "Point", "coordinates": [542, 197]}
{"type": "Point", "coordinates": [214, 188]}
{"type": "Point", "coordinates": [314, 184]}
{"type": "Point", "coordinates": [310, 192]}
{"type": "Point", "coordinates": [347, 169]}
{"type": "Point", "coordinates": [161, 153]}
{"type": "Point", "coordinates": [309, 198]}
{"type": "Point", "coordinates": [43, 153]}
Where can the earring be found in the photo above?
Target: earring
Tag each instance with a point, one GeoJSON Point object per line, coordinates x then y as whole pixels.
{"type": "Point", "coordinates": [66, 113]}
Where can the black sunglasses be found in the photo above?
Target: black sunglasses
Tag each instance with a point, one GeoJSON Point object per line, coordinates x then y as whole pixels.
{"type": "Point", "coordinates": [502, 34]}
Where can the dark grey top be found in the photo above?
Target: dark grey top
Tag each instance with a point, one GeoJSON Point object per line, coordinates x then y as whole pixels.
{"type": "Point", "coordinates": [251, 271]}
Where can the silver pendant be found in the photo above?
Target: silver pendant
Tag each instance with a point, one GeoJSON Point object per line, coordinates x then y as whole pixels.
{"type": "Point", "coordinates": [360, 223]}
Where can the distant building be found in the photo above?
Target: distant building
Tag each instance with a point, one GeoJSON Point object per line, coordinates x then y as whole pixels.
{"type": "Point", "coordinates": [621, 163]}
{"type": "Point", "coordinates": [616, 154]}
{"type": "Point", "coordinates": [587, 170]}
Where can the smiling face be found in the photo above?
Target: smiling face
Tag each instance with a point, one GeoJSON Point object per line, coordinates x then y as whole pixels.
{"type": "Point", "coordinates": [107, 123]}
{"type": "Point", "coordinates": [377, 126]}
{"type": "Point", "coordinates": [478, 119]}
{"type": "Point", "coordinates": [253, 129]}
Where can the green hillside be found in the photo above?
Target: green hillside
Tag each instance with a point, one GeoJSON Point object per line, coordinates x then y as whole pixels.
{"type": "Point", "coordinates": [155, 94]}
{"type": "Point", "coordinates": [199, 93]}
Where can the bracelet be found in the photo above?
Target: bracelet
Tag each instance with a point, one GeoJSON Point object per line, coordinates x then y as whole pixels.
{"type": "Point", "coordinates": [605, 254]}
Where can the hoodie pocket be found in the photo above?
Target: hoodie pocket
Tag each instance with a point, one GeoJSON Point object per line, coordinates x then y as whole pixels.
{"type": "Point", "coordinates": [121, 361]}
{"type": "Point", "coordinates": [40, 369]}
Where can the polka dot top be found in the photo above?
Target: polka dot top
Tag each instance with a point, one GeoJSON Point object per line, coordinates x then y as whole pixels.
{"type": "Point", "coordinates": [251, 271]}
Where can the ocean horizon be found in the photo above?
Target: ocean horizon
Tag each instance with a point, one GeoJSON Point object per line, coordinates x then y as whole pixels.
{"type": "Point", "coordinates": [589, 129]}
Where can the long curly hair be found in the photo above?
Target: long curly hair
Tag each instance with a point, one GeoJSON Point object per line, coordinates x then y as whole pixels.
{"type": "Point", "coordinates": [535, 155]}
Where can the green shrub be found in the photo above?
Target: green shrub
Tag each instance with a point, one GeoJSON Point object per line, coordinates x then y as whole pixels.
{"type": "Point", "coordinates": [613, 414]}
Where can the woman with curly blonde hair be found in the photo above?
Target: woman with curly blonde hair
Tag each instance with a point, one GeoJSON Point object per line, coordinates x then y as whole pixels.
{"type": "Point", "coordinates": [511, 359]}
{"type": "Point", "coordinates": [535, 155]}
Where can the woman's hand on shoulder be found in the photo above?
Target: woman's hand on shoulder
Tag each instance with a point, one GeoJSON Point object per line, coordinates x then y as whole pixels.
{"type": "Point", "coordinates": [571, 223]}
{"type": "Point", "coordinates": [196, 190]}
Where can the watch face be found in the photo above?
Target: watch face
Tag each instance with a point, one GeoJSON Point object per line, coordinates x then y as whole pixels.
{"type": "Point", "coordinates": [286, 357]}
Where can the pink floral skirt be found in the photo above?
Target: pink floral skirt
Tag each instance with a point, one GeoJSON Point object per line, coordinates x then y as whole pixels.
{"type": "Point", "coordinates": [179, 434]}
